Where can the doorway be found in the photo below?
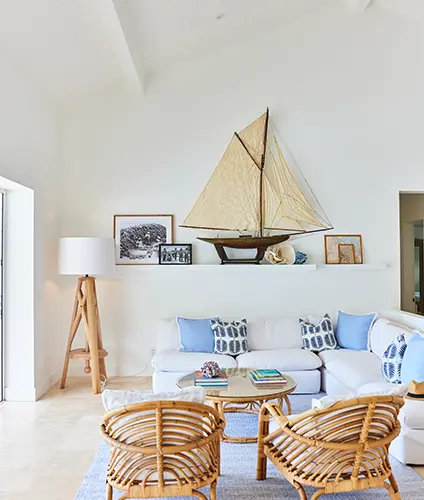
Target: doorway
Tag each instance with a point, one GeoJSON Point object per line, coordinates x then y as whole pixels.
{"type": "Point", "coordinates": [412, 252]}
{"type": "Point", "coordinates": [419, 267]}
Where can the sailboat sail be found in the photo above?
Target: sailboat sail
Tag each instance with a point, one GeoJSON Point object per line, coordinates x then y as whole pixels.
{"type": "Point", "coordinates": [253, 189]}
{"type": "Point", "coordinates": [230, 200]}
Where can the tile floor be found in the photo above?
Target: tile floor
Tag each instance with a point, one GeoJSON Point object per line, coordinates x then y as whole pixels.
{"type": "Point", "coordinates": [47, 447]}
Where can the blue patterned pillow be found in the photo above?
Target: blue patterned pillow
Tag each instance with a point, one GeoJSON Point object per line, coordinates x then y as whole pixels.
{"type": "Point", "coordinates": [230, 337]}
{"type": "Point", "coordinates": [318, 337]}
{"type": "Point", "coordinates": [391, 362]}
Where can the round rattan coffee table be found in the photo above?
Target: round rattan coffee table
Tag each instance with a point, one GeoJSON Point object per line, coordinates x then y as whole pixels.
{"type": "Point", "coordinates": [241, 396]}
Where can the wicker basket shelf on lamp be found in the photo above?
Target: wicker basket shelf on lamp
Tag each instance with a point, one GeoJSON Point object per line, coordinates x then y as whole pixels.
{"type": "Point", "coordinates": [86, 257]}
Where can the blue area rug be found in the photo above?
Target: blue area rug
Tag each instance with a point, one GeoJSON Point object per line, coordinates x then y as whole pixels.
{"type": "Point", "coordinates": [238, 467]}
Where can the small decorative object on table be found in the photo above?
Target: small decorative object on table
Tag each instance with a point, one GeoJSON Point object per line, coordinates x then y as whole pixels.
{"type": "Point", "coordinates": [343, 249]}
{"type": "Point", "coordinates": [210, 369]}
{"type": "Point", "coordinates": [210, 375]}
{"type": "Point", "coordinates": [175, 254]}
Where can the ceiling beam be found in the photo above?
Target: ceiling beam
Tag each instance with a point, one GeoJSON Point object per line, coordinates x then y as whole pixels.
{"type": "Point", "coordinates": [360, 5]}
{"type": "Point", "coordinates": [119, 44]}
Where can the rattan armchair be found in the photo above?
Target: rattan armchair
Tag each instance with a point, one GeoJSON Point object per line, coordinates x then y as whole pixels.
{"type": "Point", "coordinates": [339, 449]}
{"type": "Point", "coordinates": [163, 449]}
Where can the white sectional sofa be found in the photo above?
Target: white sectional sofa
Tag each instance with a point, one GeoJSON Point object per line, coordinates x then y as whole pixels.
{"type": "Point", "coordinates": [273, 343]}
{"type": "Point", "coordinates": [277, 343]}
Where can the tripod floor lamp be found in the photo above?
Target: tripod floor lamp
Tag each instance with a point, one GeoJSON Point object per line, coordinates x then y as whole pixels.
{"type": "Point", "coordinates": [86, 258]}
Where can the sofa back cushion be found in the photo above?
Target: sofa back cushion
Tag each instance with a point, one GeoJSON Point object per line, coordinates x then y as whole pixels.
{"type": "Point", "coordinates": [168, 335]}
{"type": "Point", "coordinates": [274, 333]}
{"type": "Point", "coordinates": [263, 334]}
{"type": "Point", "coordinates": [384, 332]}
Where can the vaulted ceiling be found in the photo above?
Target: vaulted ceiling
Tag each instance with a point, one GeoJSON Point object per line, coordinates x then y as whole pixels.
{"type": "Point", "coordinates": [74, 47]}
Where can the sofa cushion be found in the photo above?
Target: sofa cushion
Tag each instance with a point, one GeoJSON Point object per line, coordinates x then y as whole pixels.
{"type": "Point", "coordinates": [353, 368]}
{"type": "Point", "coordinates": [177, 361]}
{"type": "Point", "coordinates": [230, 337]}
{"type": "Point", "coordinates": [167, 335]}
{"type": "Point", "coordinates": [274, 333]}
{"type": "Point", "coordinates": [353, 330]}
{"type": "Point", "coordinates": [412, 364]}
{"type": "Point", "coordinates": [391, 362]}
{"type": "Point", "coordinates": [383, 332]}
{"type": "Point", "coordinates": [280, 359]}
{"type": "Point", "coordinates": [196, 335]}
{"type": "Point", "coordinates": [412, 414]}
{"type": "Point", "coordinates": [318, 335]}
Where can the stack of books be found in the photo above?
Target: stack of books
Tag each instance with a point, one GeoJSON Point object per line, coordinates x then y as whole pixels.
{"type": "Point", "coordinates": [219, 381]}
{"type": "Point", "coordinates": [267, 378]}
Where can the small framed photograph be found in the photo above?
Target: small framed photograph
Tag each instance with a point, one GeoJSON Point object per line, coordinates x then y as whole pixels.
{"type": "Point", "coordinates": [138, 237]}
{"type": "Point", "coordinates": [332, 244]}
{"type": "Point", "coordinates": [177, 254]}
{"type": "Point", "coordinates": [346, 253]}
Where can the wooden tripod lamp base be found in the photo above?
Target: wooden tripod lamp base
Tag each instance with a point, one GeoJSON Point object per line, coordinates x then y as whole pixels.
{"type": "Point", "coordinates": [86, 311]}
{"type": "Point", "coordinates": [89, 256]}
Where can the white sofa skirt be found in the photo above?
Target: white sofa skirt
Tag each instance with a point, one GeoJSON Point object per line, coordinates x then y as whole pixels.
{"type": "Point", "coordinates": [308, 381]}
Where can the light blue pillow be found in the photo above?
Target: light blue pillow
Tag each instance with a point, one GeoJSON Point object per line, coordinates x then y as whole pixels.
{"type": "Point", "coordinates": [196, 335]}
{"type": "Point", "coordinates": [353, 330]}
{"type": "Point", "coordinates": [391, 362]}
{"type": "Point", "coordinates": [413, 360]}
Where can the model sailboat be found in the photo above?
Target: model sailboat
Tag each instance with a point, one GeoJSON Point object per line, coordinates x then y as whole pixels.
{"type": "Point", "coordinates": [254, 192]}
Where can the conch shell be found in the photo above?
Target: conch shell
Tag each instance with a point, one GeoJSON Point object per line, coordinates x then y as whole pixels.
{"type": "Point", "coordinates": [281, 254]}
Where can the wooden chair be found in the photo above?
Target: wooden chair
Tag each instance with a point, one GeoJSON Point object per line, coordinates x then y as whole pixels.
{"type": "Point", "coordinates": [339, 449]}
{"type": "Point", "coordinates": [163, 449]}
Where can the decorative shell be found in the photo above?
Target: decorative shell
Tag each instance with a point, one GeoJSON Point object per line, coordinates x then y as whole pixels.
{"type": "Point", "coordinates": [281, 254]}
{"type": "Point", "coordinates": [210, 369]}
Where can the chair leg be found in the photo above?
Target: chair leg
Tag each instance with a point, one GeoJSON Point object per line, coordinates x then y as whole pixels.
{"type": "Point", "coordinates": [317, 494]}
{"type": "Point", "coordinates": [393, 489]}
{"type": "Point", "coordinates": [262, 458]}
{"type": "Point", "coordinates": [109, 492]}
{"type": "Point", "coordinates": [197, 494]}
{"type": "Point", "coordinates": [394, 485]}
{"type": "Point", "coordinates": [300, 490]}
{"type": "Point", "coordinates": [213, 491]}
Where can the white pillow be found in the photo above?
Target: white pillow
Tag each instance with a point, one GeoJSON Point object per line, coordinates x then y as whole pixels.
{"type": "Point", "coordinates": [114, 399]}
{"type": "Point", "coordinates": [328, 401]}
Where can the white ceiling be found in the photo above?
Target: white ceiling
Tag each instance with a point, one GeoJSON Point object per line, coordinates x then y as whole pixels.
{"type": "Point", "coordinates": [161, 33]}
{"type": "Point", "coordinates": [74, 47]}
{"type": "Point", "coordinates": [70, 47]}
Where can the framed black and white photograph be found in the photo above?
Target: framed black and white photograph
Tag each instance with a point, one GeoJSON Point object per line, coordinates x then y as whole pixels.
{"type": "Point", "coordinates": [138, 237]}
{"type": "Point", "coordinates": [177, 254]}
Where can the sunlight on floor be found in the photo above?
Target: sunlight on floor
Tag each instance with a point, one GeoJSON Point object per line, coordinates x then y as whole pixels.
{"type": "Point", "coordinates": [47, 447]}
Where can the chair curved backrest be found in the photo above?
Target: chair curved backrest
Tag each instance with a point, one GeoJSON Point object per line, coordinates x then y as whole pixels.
{"type": "Point", "coordinates": [347, 441]}
{"type": "Point", "coordinates": [161, 444]}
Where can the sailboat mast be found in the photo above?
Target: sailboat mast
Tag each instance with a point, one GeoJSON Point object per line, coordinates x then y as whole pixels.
{"type": "Point", "coordinates": [261, 178]}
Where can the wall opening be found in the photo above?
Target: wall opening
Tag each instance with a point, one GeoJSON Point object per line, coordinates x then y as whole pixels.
{"type": "Point", "coordinates": [412, 252]}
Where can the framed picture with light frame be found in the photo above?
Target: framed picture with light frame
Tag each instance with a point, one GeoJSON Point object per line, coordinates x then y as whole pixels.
{"type": "Point", "coordinates": [343, 249]}
{"type": "Point", "coordinates": [138, 237]}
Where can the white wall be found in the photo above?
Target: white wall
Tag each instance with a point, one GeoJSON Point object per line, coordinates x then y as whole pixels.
{"type": "Point", "coordinates": [30, 154]}
{"type": "Point", "coordinates": [345, 90]}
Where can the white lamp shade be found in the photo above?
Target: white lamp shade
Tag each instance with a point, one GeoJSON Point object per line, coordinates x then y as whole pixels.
{"type": "Point", "coordinates": [86, 256]}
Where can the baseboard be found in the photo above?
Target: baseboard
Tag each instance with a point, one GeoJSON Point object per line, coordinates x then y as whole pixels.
{"type": "Point", "coordinates": [48, 383]}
